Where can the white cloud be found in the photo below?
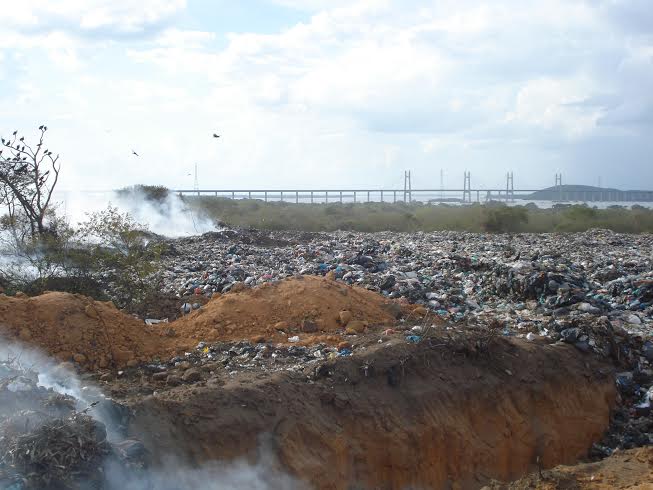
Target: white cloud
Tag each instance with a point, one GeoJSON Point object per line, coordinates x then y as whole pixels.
{"type": "Point", "coordinates": [355, 94]}
{"type": "Point", "coordinates": [184, 39]}
{"type": "Point", "coordinates": [89, 16]}
{"type": "Point", "coordinates": [549, 104]}
{"type": "Point", "coordinates": [314, 5]}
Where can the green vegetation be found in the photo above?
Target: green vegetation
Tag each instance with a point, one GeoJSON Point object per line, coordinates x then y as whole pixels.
{"type": "Point", "coordinates": [121, 249]}
{"type": "Point", "coordinates": [110, 251]}
{"type": "Point", "coordinates": [369, 217]}
{"type": "Point", "coordinates": [40, 251]}
{"type": "Point", "coordinates": [502, 219]}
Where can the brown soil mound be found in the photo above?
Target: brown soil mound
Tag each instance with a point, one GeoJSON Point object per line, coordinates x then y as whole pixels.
{"type": "Point", "coordinates": [96, 335]}
{"type": "Point", "coordinates": [76, 328]}
{"type": "Point", "coordinates": [632, 470]}
{"type": "Point", "coordinates": [306, 306]}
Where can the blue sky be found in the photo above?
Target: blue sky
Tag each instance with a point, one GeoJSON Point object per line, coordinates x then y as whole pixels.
{"type": "Point", "coordinates": [318, 93]}
{"type": "Point", "coordinates": [229, 16]}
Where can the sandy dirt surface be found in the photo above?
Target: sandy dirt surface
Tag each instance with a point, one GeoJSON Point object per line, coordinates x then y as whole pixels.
{"type": "Point", "coordinates": [301, 305]}
{"type": "Point", "coordinates": [95, 335]}
{"type": "Point", "coordinates": [625, 470]}
{"type": "Point", "coordinates": [73, 328]}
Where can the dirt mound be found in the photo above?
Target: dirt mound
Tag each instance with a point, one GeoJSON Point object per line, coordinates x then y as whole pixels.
{"type": "Point", "coordinates": [623, 470]}
{"type": "Point", "coordinates": [306, 306]}
{"type": "Point", "coordinates": [75, 328]}
{"type": "Point", "coordinates": [96, 335]}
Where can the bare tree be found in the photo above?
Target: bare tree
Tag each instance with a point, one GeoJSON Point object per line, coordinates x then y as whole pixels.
{"type": "Point", "coordinates": [28, 177]}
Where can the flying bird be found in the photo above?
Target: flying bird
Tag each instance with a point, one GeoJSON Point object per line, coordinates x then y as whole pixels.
{"type": "Point", "coordinates": [134, 153]}
{"type": "Point", "coordinates": [216, 135]}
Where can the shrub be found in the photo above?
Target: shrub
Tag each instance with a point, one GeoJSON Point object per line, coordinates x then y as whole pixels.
{"type": "Point", "coordinates": [121, 248]}
{"type": "Point", "coordinates": [375, 216]}
{"type": "Point", "coordinates": [501, 219]}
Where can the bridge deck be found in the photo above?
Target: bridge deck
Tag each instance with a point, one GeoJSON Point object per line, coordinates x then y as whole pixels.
{"type": "Point", "coordinates": [419, 195]}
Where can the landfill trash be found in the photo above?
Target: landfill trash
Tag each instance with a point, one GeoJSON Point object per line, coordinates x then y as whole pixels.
{"type": "Point", "coordinates": [591, 290]}
{"type": "Point", "coordinates": [413, 339]}
{"type": "Point", "coordinates": [634, 320]}
{"type": "Point", "coordinates": [294, 338]}
{"type": "Point", "coordinates": [154, 321]}
{"type": "Point", "coordinates": [527, 281]}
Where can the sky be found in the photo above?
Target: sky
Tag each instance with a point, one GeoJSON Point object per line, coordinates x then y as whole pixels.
{"type": "Point", "coordinates": [331, 93]}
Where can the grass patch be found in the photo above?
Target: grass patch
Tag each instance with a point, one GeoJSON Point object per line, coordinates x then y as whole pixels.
{"type": "Point", "coordinates": [371, 217]}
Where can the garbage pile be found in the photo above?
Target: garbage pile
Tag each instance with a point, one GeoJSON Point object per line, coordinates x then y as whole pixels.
{"type": "Point", "coordinates": [211, 362]}
{"type": "Point", "coordinates": [592, 290]}
{"type": "Point", "coordinates": [46, 441]}
{"type": "Point", "coordinates": [544, 284]}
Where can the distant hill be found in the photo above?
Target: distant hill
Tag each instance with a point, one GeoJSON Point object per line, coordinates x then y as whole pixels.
{"type": "Point", "coordinates": [587, 193]}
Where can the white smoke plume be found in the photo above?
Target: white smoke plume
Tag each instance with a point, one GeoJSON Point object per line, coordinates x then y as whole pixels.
{"type": "Point", "coordinates": [170, 217]}
{"type": "Point", "coordinates": [211, 476]}
{"type": "Point", "coordinates": [173, 474]}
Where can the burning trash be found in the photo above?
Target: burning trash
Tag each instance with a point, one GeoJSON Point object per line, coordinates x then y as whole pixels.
{"type": "Point", "coordinates": [47, 442]}
{"type": "Point", "coordinates": [57, 454]}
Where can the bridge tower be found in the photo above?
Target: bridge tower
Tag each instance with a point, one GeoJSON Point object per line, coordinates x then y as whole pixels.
{"type": "Point", "coordinates": [558, 184]}
{"type": "Point", "coordinates": [510, 187]}
{"type": "Point", "coordinates": [408, 187]}
{"type": "Point", "coordinates": [467, 188]}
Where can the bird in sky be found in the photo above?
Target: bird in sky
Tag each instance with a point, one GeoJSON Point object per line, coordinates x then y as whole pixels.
{"type": "Point", "coordinates": [216, 135]}
{"type": "Point", "coordinates": [134, 153]}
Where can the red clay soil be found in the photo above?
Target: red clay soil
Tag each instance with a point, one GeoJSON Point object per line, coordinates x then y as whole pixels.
{"type": "Point", "coordinates": [398, 416]}
{"type": "Point", "coordinates": [624, 470]}
{"type": "Point", "coordinates": [75, 328]}
{"type": "Point", "coordinates": [96, 335]}
{"type": "Point", "coordinates": [306, 306]}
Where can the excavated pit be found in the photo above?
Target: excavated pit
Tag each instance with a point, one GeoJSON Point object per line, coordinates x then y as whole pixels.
{"type": "Point", "coordinates": [439, 414]}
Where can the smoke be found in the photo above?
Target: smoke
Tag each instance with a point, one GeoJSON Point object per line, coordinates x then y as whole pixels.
{"type": "Point", "coordinates": [169, 216]}
{"type": "Point", "coordinates": [58, 378]}
{"type": "Point", "coordinates": [216, 476]}
{"type": "Point", "coordinates": [22, 365]}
